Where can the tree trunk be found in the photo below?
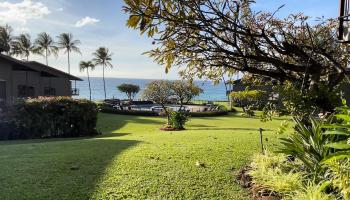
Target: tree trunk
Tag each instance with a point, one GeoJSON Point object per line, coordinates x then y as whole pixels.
{"type": "Point", "coordinates": [104, 82]}
{"type": "Point", "coordinates": [68, 63]}
{"type": "Point", "coordinates": [87, 70]}
{"type": "Point", "coordinates": [47, 61]}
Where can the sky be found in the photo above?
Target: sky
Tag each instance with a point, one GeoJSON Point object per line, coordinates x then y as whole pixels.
{"type": "Point", "coordinates": [101, 23]}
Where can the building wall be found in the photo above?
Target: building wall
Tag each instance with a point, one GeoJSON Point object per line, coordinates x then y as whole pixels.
{"type": "Point", "coordinates": [6, 75]}
{"type": "Point", "coordinates": [62, 85]}
{"type": "Point", "coordinates": [32, 79]}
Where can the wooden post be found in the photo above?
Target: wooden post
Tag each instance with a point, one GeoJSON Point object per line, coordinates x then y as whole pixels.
{"type": "Point", "coordinates": [261, 140]}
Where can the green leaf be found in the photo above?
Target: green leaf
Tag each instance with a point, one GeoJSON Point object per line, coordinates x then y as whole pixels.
{"type": "Point", "coordinates": [337, 132]}
{"type": "Point", "coordinates": [339, 145]}
{"type": "Point", "coordinates": [344, 117]}
{"type": "Point", "coordinates": [133, 21]}
{"type": "Point", "coordinates": [336, 156]}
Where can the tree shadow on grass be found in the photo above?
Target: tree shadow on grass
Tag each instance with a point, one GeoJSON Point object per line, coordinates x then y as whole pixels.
{"type": "Point", "coordinates": [226, 129]}
{"type": "Point", "coordinates": [110, 123]}
{"type": "Point", "coordinates": [57, 170]}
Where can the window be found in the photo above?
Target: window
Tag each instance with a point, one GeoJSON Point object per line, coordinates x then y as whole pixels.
{"type": "Point", "coordinates": [49, 91]}
{"type": "Point", "coordinates": [25, 91]}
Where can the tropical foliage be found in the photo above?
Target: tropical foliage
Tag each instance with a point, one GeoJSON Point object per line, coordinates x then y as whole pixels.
{"type": "Point", "coordinates": [165, 92]}
{"type": "Point", "coordinates": [103, 57]}
{"type": "Point", "coordinates": [67, 43]}
{"type": "Point", "coordinates": [210, 36]}
{"type": "Point", "coordinates": [129, 89]}
{"type": "Point", "coordinates": [247, 98]}
{"type": "Point", "coordinates": [6, 38]}
{"type": "Point", "coordinates": [86, 66]}
{"type": "Point", "coordinates": [22, 46]}
{"type": "Point", "coordinates": [45, 46]}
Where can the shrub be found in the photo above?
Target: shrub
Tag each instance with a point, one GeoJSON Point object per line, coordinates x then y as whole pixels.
{"type": "Point", "coordinates": [54, 117]}
{"type": "Point", "coordinates": [313, 192]}
{"type": "Point", "coordinates": [308, 144]}
{"type": "Point", "coordinates": [340, 176]}
{"type": "Point", "coordinates": [276, 174]}
{"type": "Point", "coordinates": [178, 119]}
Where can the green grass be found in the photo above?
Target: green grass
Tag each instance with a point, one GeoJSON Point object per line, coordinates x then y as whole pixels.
{"type": "Point", "coordinates": [134, 160]}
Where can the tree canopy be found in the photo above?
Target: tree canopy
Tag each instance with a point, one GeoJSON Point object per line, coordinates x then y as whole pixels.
{"type": "Point", "coordinates": [211, 36]}
{"type": "Point", "coordinates": [129, 89]}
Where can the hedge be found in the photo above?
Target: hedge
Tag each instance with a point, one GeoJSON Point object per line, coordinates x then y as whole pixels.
{"type": "Point", "coordinates": [51, 117]}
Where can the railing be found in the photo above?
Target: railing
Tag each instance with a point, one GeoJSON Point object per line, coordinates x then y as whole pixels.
{"type": "Point", "coordinates": [344, 19]}
{"type": "Point", "coordinates": [75, 92]}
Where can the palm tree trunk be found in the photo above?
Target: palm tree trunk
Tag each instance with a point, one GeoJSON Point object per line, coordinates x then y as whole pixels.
{"type": "Point", "coordinates": [104, 82]}
{"type": "Point", "coordinates": [47, 61]}
{"type": "Point", "coordinates": [68, 63]}
{"type": "Point", "coordinates": [87, 70]}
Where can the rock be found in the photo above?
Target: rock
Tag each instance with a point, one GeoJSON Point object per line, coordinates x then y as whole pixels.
{"type": "Point", "coordinates": [199, 164]}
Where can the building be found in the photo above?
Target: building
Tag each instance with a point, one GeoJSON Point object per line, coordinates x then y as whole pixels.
{"type": "Point", "coordinates": [21, 79]}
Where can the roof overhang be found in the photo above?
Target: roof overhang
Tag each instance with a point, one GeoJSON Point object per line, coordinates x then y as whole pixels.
{"type": "Point", "coordinates": [44, 70]}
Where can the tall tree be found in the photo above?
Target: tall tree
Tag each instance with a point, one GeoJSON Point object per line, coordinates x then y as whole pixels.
{"type": "Point", "coordinates": [67, 43]}
{"type": "Point", "coordinates": [103, 57]}
{"type": "Point", "coordinates": [6, 38]}
{"type": "Point", "coordinates": [89, 65]}
{"type": "Point", "coordinates": [45, 46]}
{"type": "Point", "coordinates": [22, 46]}
{"type": "Point", "coordinates": [205, 35]}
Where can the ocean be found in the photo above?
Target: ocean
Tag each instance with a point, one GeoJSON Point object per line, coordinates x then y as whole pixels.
{"type": "Point", "coordinates": [211, 92]}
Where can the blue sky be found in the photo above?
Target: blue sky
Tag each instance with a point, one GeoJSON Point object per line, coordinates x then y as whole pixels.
{"type": "Point", "coordinates": [102, 23]}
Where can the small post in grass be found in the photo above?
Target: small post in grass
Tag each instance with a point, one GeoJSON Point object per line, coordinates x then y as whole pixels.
{"type": "Point", "coordinates": [261, 140]}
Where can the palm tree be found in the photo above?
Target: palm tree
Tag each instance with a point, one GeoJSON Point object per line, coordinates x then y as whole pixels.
{"type": "Point", "coordinates": [6, 38]}
{"type": "Point", "coordinates": [86, 66]}
{"type": "Point", "coordinates": [66, 42]}
{"type": "Point", "coordinates": [45, 46]}
{"type": "Point", "coordinates": [23, 46]}
{"type": "Point", "coordinates": [103, 57]}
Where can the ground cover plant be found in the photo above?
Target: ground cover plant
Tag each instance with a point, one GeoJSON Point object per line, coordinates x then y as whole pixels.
{"type": "Point", "coordinates": [135, 160]}
{"type": "Point", "coordinates": [315, 156]}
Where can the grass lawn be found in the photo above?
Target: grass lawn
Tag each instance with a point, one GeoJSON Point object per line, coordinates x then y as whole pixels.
{"type": "Point", "coordinates": [134, 160]}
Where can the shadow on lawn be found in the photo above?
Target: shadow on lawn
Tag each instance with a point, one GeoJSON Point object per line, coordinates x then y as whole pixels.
{"type": "Point", "coordinates": [226, 129]}
{"type": "Point", "coordinates": [109, 123]}
{"type": "Point", "coordinates": [60, 170]}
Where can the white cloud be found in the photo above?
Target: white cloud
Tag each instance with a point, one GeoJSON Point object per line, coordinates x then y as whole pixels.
{"type": "Point", "coordinates": [86, 21]}
{"type": "Point", "coordinates": [22, 11]}
{"type": "Point", "coordinates": [22, 30]}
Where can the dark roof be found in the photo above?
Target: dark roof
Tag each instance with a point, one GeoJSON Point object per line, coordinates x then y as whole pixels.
{"type": "Point", "coordinates": [38, 67]}
{"type": "Point", "coordinates": [41, 67]}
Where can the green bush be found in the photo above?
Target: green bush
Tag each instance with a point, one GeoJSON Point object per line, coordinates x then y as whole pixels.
{"type": "Point", "coordinates": [178, 119]}
{"type": "Point", "coordinates": [313, 192]}
{"type": "Point", "coordinates": [309, 144]}
{"type": "Point", "coordinates": [54, 117]}
{"type": "Point", "coordinates": [340, 176]}
{"type": "Point", "coordinates": [275, 173]}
